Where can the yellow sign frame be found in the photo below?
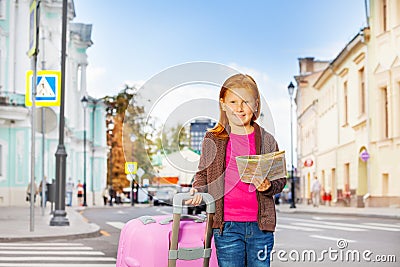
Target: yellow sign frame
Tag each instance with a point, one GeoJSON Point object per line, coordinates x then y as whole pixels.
{"type": "Point", "coordinates": [32, 28]}
{"type": "Point", "coordinates": [43, 103]}
{"type": "Point", "coordinates": [128, 167]}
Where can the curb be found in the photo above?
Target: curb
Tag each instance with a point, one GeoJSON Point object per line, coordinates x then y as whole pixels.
{"type": "Point", "coordinates": [94, 233]}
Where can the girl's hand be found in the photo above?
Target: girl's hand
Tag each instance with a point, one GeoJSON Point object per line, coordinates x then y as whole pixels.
{"type": "Point", "coordinates": [261, 184]}
{"type": "Point", "coordinates": [196, 200]}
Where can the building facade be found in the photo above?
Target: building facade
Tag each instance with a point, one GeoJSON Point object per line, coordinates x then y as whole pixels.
{"type": "Point", "coordinates": [198, 129]}
{"type": "Point", "coordinates": [15, 123]}
{"type": "Point", "coordinates": [347, 112]}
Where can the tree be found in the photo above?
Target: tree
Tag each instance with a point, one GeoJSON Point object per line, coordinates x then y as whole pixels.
{"type": "Point", "coordinates": [125, 137]}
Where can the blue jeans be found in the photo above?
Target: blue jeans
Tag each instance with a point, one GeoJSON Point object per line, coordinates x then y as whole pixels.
{"type": "Point", "coordinates": [243, 244]}
{"type": "Point", "coordinates": [69, 198]}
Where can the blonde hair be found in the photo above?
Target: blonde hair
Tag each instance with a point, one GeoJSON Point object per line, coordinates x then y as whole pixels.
{"type": "Point", "coordinates": [235, 81]}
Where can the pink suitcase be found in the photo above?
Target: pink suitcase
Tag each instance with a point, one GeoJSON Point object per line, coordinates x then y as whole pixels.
{"type": "Point", "coordinates": [160, 241]}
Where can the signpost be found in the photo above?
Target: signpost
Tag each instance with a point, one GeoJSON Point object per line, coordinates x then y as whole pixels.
{"type": "Point", "coordinates": [46, 121]}
{"type": "Point", "coordinates": [130, 170]}
{"type": "Point", "coordinates": [364, 155]}
{"type": "Point", "coordinates": [32, 53]}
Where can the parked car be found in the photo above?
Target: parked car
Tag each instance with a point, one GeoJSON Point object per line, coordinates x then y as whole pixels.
{"type": "Point", "coordinates": [164, 196]}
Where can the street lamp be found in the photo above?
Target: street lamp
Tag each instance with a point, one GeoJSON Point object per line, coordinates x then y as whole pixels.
{"type": "Point", "coordinates": [84, 102]}
{"type": "Point", "coordinates": [59, 215]}
{"type": "Point", "coordinates": [94, 102]}
{"type": "Point", "coordinates": [291, 91]}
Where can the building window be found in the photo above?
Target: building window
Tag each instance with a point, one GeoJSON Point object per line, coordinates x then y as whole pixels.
{"type": "Point", "coordinates": [398, 12]}
{"type": "Point", "coordinates": [347, 177]}
{"type": "Point", "coordinates": [385, 113]}
{"type": "Point", "coordinates": [345, 104]}
{"type": "Point", "coordinates": [361, 76]}
{"type": "Point", "coordinates": [384, 16]}
{"type": "Point", "coordinates": [385, 184]}
{"type": "Point", "coordinates": [2, 9]}
{"type": "Point", "coordinates": [398, 104]}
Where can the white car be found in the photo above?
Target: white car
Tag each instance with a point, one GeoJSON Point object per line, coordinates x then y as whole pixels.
{"type": "Point", "coordinates": [164, 196]}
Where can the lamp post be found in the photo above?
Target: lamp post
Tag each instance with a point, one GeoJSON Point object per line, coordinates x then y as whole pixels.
{"type": "Point", "coordinates": [94, 102]}
{"type": "Point", "coordinates": [110, 127]}
{"type": "Point", "coordinates": [84, 101]}
{"type": "Point", "coordinates": [59, 215]}
{"type": "Point", "coordinates": [291, 91]}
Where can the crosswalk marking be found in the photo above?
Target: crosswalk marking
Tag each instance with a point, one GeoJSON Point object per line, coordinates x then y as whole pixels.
{"type": "Point", "coordinates": [341, 226]}
{"type": "Point", "coordinates": [52, 255]}
{"type": "Point", "coordinates": [45, 248]}
{"type": "Point", "coordinates": [291, 227]}
{"type": "Point", "coordinates": [332, 238]}
{"type": "Point", "coordinates": [330, 227]}
{"type": "Point", "coordinates": [163, 211]}
{"type": "Point", "coordinates": [77, 259]}
{"type": "Point", "coordinates": [55, 265]}
{"type": "Point", "coordinates": [332, 218]}
{"type": "Point", "coordinates": [118, 225]}
{"type": "Point", "coordinates": [365, 226]}
{"type": "Point", "coordinates": [383, 225]}
{"type": "Point", "coordinates": [42, 244]}
{"type": "Point", "coordinates": [25, 252]}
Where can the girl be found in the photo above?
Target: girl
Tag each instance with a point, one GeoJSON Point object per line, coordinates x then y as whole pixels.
{"type": "Point", "coordinates": [245, 219]}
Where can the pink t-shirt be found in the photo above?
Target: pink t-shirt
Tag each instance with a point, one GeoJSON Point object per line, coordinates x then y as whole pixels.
{"type": "Point", "coordinates": [240, 200]}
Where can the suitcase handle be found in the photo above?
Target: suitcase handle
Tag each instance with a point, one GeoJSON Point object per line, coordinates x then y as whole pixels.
{"type": "Point", "coordinates": [177, 210]}
{"type": "Point", "coordinates": [180, 197]}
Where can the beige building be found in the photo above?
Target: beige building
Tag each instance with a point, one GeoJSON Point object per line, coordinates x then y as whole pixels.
{"type": "Point", "coordinates": [348, 116]}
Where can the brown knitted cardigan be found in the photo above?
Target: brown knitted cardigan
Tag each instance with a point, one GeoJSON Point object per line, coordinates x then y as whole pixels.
{"type": "Point", "coordinates": [210, 177]}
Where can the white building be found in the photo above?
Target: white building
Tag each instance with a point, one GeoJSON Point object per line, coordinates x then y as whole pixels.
{"type": "Point", "coordinates": [348, 115]}
{"type": "Point", "coordinates": [15, 130]}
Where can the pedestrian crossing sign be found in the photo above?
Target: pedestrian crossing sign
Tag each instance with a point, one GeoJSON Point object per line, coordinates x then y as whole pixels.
{"type": "Point", "coordinates": [131, 167]}
{"type": "Point", "coordinates": [48, 88]}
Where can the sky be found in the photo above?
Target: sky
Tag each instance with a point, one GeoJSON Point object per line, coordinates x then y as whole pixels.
{"type": "Point", "coordinates": [133, 41]}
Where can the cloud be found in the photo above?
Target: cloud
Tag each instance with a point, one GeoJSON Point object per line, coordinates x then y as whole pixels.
{"type": "Point", "coordinates": [96, 84]}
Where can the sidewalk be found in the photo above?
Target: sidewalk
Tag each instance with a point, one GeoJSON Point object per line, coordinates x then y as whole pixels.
{"type": "Point", "coordinates": [15, 225]}
{"type": "Point", "coordinates": [390, 213]}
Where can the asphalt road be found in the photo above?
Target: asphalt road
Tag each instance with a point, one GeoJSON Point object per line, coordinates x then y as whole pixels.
{"type": "Point", "coordinates": [300, 240]}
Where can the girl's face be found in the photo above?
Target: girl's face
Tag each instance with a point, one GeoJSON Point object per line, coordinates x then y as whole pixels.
{"type": "Point", "coordinates": [239, 105]}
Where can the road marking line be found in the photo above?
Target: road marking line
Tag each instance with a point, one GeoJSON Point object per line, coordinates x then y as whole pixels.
{"type": "Point", "coordinates": [332, 218]}
{"type": "Point", "coordinates": [330, 227]}
{"type": "Point", "coordinates": [366, 227]}
{"type": "Point", "coordinates": [40, 244]}
{"type": "Point", "coordinates": [165, 212]}
{"type": "Point", "coordinates": [46, 248]}
{"type": "Point", "coordinates": [77, 259]}
{"type": "Point", "coordinates": [383, 225]}
{"type": "Point", "coordinates": [297, 228]}
{"type": "Point", "coordinates": [344, 225]}
{"type": "Point", "coordinates": [54, 265]}
{"type": "Point", "coordinates": [24, 252]}
{"type": "Point", "coordinates": [105, 233]}
{"type": "Point", "coordinates": [118, 225]}
{"type": "Point", "coordinates": [332, 238]}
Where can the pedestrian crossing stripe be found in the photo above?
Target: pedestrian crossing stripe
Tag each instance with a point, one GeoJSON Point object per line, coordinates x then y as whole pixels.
{"type": "Point", "coordinates": [28, 254]}
{"type": "Point", "coordinates": [48, 88]}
